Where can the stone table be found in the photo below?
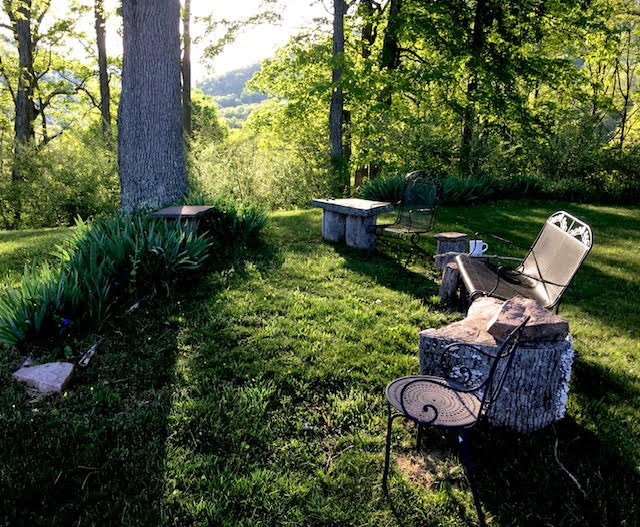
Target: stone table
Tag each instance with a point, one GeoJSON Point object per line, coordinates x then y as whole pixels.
{"type": "Point", "coordinates": [352, 220]}
{"type": "Point", "coordinates": [536, 388]}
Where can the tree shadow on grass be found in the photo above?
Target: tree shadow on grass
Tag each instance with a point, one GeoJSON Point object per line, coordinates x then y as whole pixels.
{"type": "Point", "coordinates": [390, 272]}
{"type": "Point", "coordinates": [528, 479]}
{"type": "Point", "coordinates": [99, 454]}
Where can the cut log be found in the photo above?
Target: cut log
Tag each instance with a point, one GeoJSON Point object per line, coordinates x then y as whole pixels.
{"type": "Point", "coordinates": [450, 282]}
{"type": "Point", "coordinates": [535, 389]}
{"type": "Point", "coordinates": [449, 242]}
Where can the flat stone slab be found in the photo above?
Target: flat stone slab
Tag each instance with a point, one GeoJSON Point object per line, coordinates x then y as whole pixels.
{"type": "Point", "coordinates": [451, 236]}
{"type": "Point", "coordinates": [473, 329]}
{"type": "Point", "coordinates": [46, 378]}
{"type": "Point", "coordinates": [543, 325]}
{"type": "Point", "coordinates": [353, 206]}
{"type": "Point", "coordinates": [183, 212]}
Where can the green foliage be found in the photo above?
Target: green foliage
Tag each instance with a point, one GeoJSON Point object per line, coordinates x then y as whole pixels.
{"type": "Point", "coordinates": [259, 169]}
{"type": "Point", "coordinates": [387, 188]}
{"type": "Point", "coordinates": [103, 262]}
{"type": "Point", "coordinates": [230, 223]}
{"type": "Point", "coordinates": [76, 175]}
{"type": "Point", "coordinates": [204, 114]}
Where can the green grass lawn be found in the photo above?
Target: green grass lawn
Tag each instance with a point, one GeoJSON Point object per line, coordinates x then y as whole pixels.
{"type": "Point", "coordinates": [20, 248]}
{"type": "Point", "coordinates": [255, 397]}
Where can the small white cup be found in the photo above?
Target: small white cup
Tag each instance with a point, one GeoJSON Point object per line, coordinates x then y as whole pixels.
{"type": "Point", "coordinates": [477, 247]}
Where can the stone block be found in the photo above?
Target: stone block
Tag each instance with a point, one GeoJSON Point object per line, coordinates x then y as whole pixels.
{"type": "Point", "coordinates": [543, 325]}
{"type": "Point", "coordinates": [46, 378]}
{"type": "Point", "coordinates": [359, 232]}
{"type": "Point", "coordinates": [449, 245]}
{"type": "Point", "coordinates": [333, 226]}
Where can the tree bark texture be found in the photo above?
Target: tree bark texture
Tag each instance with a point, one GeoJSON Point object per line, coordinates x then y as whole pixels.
{"type": "Point", "coordinates": [105, 97]}
{"type": "Point", "coordinates": [536, 387]}
{"type": "Point", "coordinates": [186, 67]}
{"type": "Point", "coordinates": [336, 111]}
{"type": "Point", "coordinates": [390, 47]}
{"type": "Point", "coordinates": [150, 142]}
{"type": "Point", "coordinates": [337, 103]}
{"type": "Point", "coordinates": [481, 20]}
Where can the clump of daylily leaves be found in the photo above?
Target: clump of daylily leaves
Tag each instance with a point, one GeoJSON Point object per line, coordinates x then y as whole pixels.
{"type": "Point", "coordinates": [104, 262]}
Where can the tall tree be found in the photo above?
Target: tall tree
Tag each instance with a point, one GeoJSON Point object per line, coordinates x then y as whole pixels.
{"type": "Point", "coordinates": [101, 40]}
{"type": "Point", "coordinates": [20, 15]}
{"type": "Point", "coordinates": [186, 67]}
{"type": "Point", "coordinates": [482, 20]}
{"type": "Point", "coordinates": [150, 142]}
{"type": "Point", "coordinates": [336, 110]}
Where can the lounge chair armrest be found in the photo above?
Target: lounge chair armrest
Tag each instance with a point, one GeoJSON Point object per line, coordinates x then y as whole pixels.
{"type": "Point", "coordinates": [536, 278]}
{"type": "Point", "coordinates": [500, 238]}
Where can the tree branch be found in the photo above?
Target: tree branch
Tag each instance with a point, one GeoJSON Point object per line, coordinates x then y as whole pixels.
{"type": "Point", "coordinates": [6, 79]}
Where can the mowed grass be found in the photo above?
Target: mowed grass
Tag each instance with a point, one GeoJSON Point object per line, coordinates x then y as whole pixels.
{"type": "Point", "coordinates": [27, 247]}
{"type": "Point", "coordinates": [255, 396]}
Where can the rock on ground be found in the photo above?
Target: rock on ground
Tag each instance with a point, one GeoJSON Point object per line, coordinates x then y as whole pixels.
{"type": "Point", "coordinates": [46, 378]}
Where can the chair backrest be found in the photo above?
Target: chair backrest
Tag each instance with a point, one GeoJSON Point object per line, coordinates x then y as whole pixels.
{"type": "Point", "coordinates": [417, 208]}
{"type": "Point", "coordinates": [500, 367]}
{"type": "Point", "coordinates": [462, 366]}
{"type": "Point", "coordinates": [557, 254]}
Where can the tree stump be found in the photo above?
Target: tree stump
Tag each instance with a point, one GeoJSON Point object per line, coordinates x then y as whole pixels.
{"type": "Point", "coordinates": [450, 282]}
{"type": "Point", "coordinates": [449, 242]}
{"type": "Point", "coordinates": [535, 389]}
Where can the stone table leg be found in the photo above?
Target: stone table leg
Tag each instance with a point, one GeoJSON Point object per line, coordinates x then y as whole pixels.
{"type": "Point", "coordinates": [333, 226]}
{"type": "Point", "coordinates": [359, 232]}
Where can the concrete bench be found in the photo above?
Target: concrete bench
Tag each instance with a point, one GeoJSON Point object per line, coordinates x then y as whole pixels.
{"type": "Point", "coordinates": [351, 220]}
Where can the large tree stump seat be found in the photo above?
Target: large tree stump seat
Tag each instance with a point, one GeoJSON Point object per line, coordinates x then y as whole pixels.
{"type": "Point", "coordinates": [536, 388]}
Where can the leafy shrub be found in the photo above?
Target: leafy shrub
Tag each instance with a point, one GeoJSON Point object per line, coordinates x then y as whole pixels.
{"type": "Point", "coordinates": [230, 223]}
{"type": "Point", "coordinates": [75, 175]}
{"type": "Point", "coordinates": [108, 260]}
{"type": "Point", "coordinates": [387, 188]}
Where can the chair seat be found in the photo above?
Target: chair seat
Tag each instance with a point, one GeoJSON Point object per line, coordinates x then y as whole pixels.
{"type": "Point", "coordinates": [479, 278]}
{"type": "Point", "coordinates": [399, 231]}
{"type": "Point", "coordinates": [432, 400]}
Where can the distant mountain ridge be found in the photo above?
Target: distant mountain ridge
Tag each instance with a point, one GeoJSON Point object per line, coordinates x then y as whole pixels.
{"type": "Point", "coordinates": [228, 89]}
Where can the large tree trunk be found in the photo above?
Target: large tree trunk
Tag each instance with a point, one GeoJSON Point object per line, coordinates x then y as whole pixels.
{"type": "Point", "coordinates": [25, 111]}
{"type": "Point", "coordinates": [369, 35]}
{"type": "Point", "coordinates": [390, 59]}
{"type": "Point", "coordinates": [101, 39]}
{"type": "Point", "coordinates": [150, 143]}
{"type": "Point", "coordinates": [337, 102]}
{"type": "Point", "coordinates": [481, 21]}
{"type": "Point", "coordinates": [186, 67]}
{"type": "Point", "coordinates": [390, 47]}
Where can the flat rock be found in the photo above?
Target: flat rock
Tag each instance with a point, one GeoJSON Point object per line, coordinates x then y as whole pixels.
{"type": "Point", "coordinates": [473, 328]}
{"type": "Point", "coordinates": [46, 378]}
{"type": "Point", "coordinates": [543, 325]}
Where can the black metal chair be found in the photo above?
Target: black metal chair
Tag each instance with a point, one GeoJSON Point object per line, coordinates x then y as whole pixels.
{"type": "Point", "coordinates": [416, 212]}
{"type": "Point", "coordinates": [545, 273]}
{"type": "Point", "coordinates": [454, 402]}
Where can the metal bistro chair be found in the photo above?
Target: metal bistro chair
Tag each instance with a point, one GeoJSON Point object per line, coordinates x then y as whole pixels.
{"type": "Point", "coordinates": [416, 212]}
{"type": "Point", "coordinates": [545, 273]}
{"type": "Point", "coordinates": [454, 402]}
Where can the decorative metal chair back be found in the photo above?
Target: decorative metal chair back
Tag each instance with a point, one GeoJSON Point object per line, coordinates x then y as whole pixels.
{"type": "Point", "coordinates": [417, 207]}
{"type": "Point", "coordinates": [556, 255]}
{"type": "Point", "coordinates": [489, 388]}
